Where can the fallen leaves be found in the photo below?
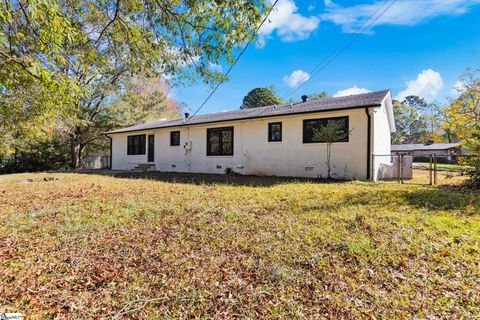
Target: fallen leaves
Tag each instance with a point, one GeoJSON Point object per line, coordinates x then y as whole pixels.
{"type": "Point", "coordinates": [87, 246]}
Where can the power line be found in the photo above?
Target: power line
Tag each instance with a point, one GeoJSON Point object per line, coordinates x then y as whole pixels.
{"type": "Point", "coordinates": [345, 44]}
{"type": "Point", "coordinates": [233, 64]}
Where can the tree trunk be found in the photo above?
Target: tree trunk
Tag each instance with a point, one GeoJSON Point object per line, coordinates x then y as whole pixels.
{"type": "Point", "coordinates": [15, 156]}
{"type": "Point", "coordinates": [74, 153]}
{"type": "Point", "coordinates": [77, 147]}
{"type": "Point", "coordinates": [80, 155]}
{"type": "Point", "coordinates": [449, 137]}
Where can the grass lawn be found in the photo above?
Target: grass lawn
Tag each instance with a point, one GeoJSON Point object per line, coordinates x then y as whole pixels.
{"type": "Point", "coordinates": [97, 246]}
{"type": "Point", "coordinates": [444, 167]}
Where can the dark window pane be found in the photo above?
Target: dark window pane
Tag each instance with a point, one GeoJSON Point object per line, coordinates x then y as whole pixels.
{"type": "Point", "coordinates": [227, 148]}
{"type": "Point", "coordinates": [312, 128]}
{"type": "Point", "coordinates": [214, 137]}
{"type": "Point", "coordinates": [275, 131]}
{"type": "Point", "coordinates": [136, 144]}
{"type": "Point", "coordinates": [226, 136]}
{"type": "Point", "coordinates": [175, 138]}
{"type": "Point", "coordinates": [215, 148]}
{"type": "Point", "coordinates": [142, 144]}
{"type": "Point", "coordinates": [220, 141]}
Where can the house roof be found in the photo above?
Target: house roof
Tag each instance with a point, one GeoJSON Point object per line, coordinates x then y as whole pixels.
{"type": "Point", "coordinates": [423, 147]}
{"type": "Point", "coordinates": [371, 99]}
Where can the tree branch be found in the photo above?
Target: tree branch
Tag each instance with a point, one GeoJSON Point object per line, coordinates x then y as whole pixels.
{"type": "Point", "coordinates": [20, 63]}
{"type": "Point", "coordinates": [117, 6]}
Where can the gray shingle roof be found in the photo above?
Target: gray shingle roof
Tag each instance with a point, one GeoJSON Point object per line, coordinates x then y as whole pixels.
{"type": "Point", "coordinates": [424, 147]}
{"type": "Point", "coordinates": [348, 102]}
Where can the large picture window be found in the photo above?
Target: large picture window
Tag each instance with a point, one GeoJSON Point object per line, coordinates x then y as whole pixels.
{"type": "Point", "coordinates": [220, 141]}
{"type": "Point", "coordinates": [136, 144]}
{"type": "Point", "coordinates": [274, 131]}
{"type": "Point", "coordinates": [311, 128]}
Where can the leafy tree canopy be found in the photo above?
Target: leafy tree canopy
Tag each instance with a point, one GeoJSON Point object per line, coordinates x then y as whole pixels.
{"type": "Point", "coordinates": [410, 122]}
{"type": "Point", "coordinates": [319, 96]}
{"type": "Point", "coordinates": [64, 47]}
{"type": "Point", "coordinates": [462, 118]}
{"type": "Point", "coordinates": [260, 97]}
{"type": "Point", "coordinates": [416, 102]}
{"type": "Point", "coordinates": [65, 61]}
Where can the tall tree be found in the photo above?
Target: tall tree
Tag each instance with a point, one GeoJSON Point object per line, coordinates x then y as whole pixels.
{"type": "Point", "coordinates": [142, 99]}
{"type": "Point", "coordinates": [430, 114]}
{"type": "Point", "coordinates": [417, 103]}
{"type": "Point", "coordinates": [80, 52]}
{"type": "Point", "coordinates": [318, 96]}
{"type": "Point", "coordinates": [260, 97]}
{"type": "Point", "coordinates": [411, 124]}
{"type": "Point", "coordinates": [463, 118]}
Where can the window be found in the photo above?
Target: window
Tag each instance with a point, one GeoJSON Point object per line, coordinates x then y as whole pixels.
{"type": "Point", "coordinates": [136, 144]}
{"type": "Point", "coordinates": [274, 131]}
{"type": "Point", "coordinates": [311, 127]}
{"type": "Point", "coordinates": [174, 138]}
{"type": "Point", "coordinates": [220, 141]}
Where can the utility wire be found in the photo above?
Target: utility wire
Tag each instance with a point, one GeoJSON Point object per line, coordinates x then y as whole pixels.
{"type": "Point", "coordinates": [345, 44]}
{"type": "Point", "coordinates": [233, 64]}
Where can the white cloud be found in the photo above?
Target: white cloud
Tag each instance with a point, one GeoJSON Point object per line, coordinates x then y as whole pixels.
{"type": "Point", "coordinates": [296, 78]}
{"type": "Point", "coordinates": [458, 87]}
{"type": "Point", "coordinates": [402, 12]}
{"type": "Point", "coordinates": [351, 91]}
{"type": "Point", "coordinates": [215, 67]}
{"type": "Point", "coordinates": [428, 85]}
{"type": "Point", "coordinates": [328, 3]}
{"type": "Point", "coordinates": [288, 24]}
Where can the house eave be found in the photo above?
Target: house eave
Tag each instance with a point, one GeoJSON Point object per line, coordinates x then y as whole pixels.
{"type": "Point", "coordinates": [242, 119]}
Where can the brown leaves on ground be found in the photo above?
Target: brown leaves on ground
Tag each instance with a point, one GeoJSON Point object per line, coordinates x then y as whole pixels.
{"type": "Point", "coordinates": [89, 246]}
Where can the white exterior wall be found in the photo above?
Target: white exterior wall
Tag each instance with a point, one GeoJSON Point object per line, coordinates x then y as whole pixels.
{"type": "Point", "coordinates": [253, 154]}
{"type": "Point", "coordinates": [291, 156]}
{"type": "Point", "coordinates": [381, 141]}
{"type": "Point", "coordinates": [120, 159]}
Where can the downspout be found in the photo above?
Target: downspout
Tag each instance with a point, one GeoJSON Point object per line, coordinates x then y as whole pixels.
{"type": "Point", "coordinates": [369, 135]}
{"type": "Point", "coordinates": [110, 160]}
{"type": "Point", "coordinates": [188, 153]}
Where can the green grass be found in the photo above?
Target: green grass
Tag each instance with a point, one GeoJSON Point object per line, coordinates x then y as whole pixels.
{"type": "Point", "coordinates": [444, 167]}
{"type": "Point", "coordinates": [176, 246]}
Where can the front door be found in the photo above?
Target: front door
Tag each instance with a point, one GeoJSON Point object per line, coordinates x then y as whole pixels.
{"type": "Point", "coordinates": [151, 148]}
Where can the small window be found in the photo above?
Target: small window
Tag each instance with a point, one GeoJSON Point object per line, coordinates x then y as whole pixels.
{"type": "Point", "coordinates": [274, 131]}
{"type": "Point", "coordinates": [174, 138]}
{"type": "Point", "coordinates": [311, 128]}
{"type": "Point", "coordinates": [220, 141]}
{"type": "Point", "coordinates": [136, 144]}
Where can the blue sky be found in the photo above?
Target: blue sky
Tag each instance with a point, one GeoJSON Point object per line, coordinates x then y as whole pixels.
{"type": "Point", "coordinates": [416, 47]}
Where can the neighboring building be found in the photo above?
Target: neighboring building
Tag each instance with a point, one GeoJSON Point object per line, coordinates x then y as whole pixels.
{"type": "Point", "coordinates": [427, 149]}
{"type": "Point", "coordinates": [268, 141]}
{"type": "Point", "coordinates": [97, 161]}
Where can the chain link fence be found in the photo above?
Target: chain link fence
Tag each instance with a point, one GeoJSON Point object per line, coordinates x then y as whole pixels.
{"type": "Point", "coordinates": [425, 170]}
